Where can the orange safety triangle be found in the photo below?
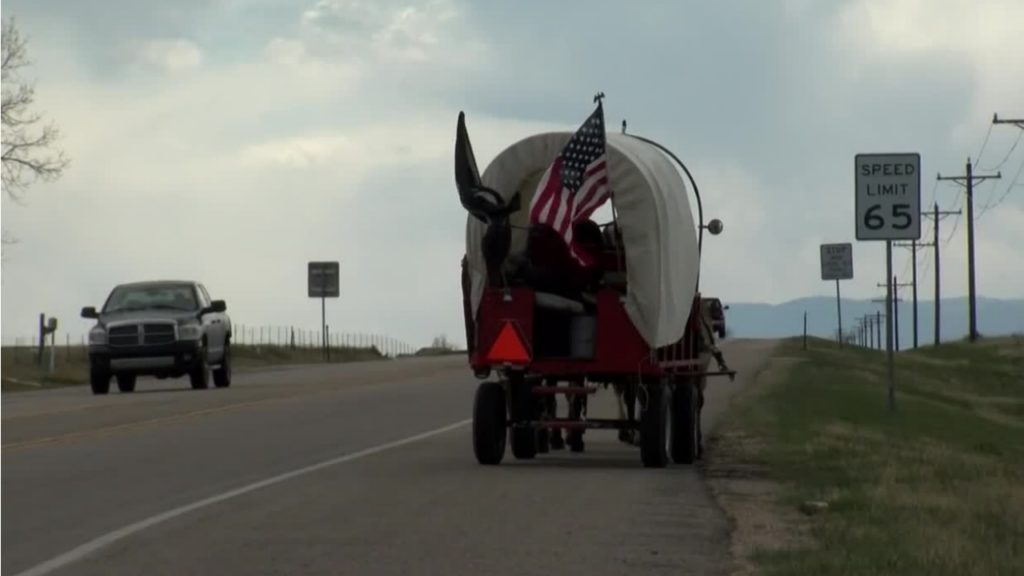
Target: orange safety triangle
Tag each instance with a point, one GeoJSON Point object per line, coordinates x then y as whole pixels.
{"type": "Point", "coordinates": [508, 346]}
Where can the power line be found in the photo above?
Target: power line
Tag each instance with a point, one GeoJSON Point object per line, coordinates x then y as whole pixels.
{"type": "Point", "coordinates": [984, 144]}
{"type": "Point", "coordinates": [1008, 153]}
{"type": "Point", "coordinates": [935, 189]}
{"type": "Point", "coordinates": [956, 221]}
{"type": "Point", "coordinates": [1019, 123]}
{"type": "Point", "coordinates": [989, 198]}
{"type": "Point", "coordinates": [1006, 193]}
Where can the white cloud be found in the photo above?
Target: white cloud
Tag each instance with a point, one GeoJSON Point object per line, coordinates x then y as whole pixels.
{"type": "Point", "coordinates": [987, 35]}
{"type": "Point", "coordinates": [285, 51]}
{"type": "Point", "coordinates": [172, 55]}
{"type": "Point", "coordinates": [395, 32]}
{"type": "Point", "coordinates": [414, 33]}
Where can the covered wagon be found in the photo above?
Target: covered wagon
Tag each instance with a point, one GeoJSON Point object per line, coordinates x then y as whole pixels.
{"type": "Point", "coordinates": [558, 304]}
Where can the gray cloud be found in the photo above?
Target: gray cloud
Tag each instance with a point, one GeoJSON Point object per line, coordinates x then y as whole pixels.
{"type": "Point", "coordinates": [324, 130]}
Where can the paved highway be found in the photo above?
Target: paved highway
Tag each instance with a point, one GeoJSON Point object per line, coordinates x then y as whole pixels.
{"type": "Point", "coordinates": [347, 469]}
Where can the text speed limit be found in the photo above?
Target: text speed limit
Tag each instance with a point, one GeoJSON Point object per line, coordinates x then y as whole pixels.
{"type": "Point", "coordinates": [888, 196]}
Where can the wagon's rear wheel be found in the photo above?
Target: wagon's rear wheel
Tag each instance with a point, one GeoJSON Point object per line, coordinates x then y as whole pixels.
{"type": "Point", "coordinates": [489, 423]}
{"type": "Point", "coordinates": [524, 442]}
{"type": "Point", "coordinates": [524, 412]}
{"type": "Point", "coordinates": [655, 426]}
{"type": "Point", "coordinates": [685, 441]}
{"type": "Point", "coordinates": [543, 441]}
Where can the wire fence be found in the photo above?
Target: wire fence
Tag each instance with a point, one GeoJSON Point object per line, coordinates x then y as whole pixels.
{"type": "Point", "coordinates": [72, 350]}
{"type": "Point", "coordinates": [303, 338]}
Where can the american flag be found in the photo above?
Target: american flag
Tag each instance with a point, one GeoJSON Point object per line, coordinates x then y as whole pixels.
{"type": "Point", "coordinates": [576, 183]}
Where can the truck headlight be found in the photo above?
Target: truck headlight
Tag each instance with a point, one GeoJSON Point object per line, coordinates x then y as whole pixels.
{"type": "Point", "coordinates": [98, 336]}
{"type": "Point", "coordinates": [190, 332]}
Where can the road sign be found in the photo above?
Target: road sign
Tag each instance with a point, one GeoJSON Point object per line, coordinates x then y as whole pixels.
{"type": "Point", "coordinates": [323, 280]}
{"type": "Point", "coordinates": [837, 261]}
{"type": "Point", "coordinates": [888, 196]}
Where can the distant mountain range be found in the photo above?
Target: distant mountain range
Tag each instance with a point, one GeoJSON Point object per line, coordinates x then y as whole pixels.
{"type": "Point", "coordinates": [995, 318]}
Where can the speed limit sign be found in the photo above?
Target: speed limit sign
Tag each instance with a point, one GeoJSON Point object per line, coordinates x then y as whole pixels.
{"type": "Point", "coordinates": [888, 196]}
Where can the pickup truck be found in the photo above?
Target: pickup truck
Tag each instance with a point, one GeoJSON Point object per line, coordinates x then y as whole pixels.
{"type": "Point", "coordinates": [162, 329]}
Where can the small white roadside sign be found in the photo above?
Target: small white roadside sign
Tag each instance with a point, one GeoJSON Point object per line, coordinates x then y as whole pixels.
{"type": "Point", "coordinates": [888, 196]}
{"type": "Point", "coordinates": [323, 280]}
{"type": "Point", "coordinates": [837, 261]}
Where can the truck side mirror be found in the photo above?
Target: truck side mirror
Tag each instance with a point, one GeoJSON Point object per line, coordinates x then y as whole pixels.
{"type": "Point", "coordinates": [216, 306]}
{"type": "Point", "coordinates": [90, 312]}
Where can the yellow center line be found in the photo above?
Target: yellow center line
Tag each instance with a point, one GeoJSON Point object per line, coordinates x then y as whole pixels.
{"type": "Point", "coordinates": [107, 430]}
{"type": "Point", "coordinates": [67, 410]}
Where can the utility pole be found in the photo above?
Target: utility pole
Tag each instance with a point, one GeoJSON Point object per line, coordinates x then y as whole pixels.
{"type": "Point", "coordinates": [868, 331]}
{"type": "Point", "coordinates": [894, 331]}
{"type": "Point", "coordinates": [871, 331]}
{"type": "Point", "coordinates": [937, 215]}
{"type": "Point", "coordinates": [878, 328]}
{"type": "Point", "coordinates": [967, 181]}
{"type": "Point", "coordinates": [1019, 122]}
{"type": "Point", "coordinates": [914, 247]}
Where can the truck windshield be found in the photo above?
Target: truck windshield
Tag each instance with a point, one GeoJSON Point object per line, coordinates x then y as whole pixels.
{"type": "Point", "coordinates": [152, 297]}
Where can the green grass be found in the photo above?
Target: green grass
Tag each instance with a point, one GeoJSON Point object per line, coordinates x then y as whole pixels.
{"type": "Point", "coordinates": [21, 372]}
{"type": "Point", "coordinates": [935, 488]}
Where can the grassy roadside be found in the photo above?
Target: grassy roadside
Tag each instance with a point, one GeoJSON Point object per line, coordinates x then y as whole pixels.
{"type": "Point", "coordinates": [819, 478]}
{"type": "Point", "coordinates": [20, 373]}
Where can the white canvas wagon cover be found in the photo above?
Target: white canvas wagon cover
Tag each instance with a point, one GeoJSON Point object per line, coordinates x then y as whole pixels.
{"type": "Point", "coordinates": [653, 213]}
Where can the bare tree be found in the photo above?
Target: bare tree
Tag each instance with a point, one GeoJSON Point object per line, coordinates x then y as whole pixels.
{"type": "Point", "coordinates": [441, 343]}
{"type": "Point", "coordinates": [29, 147]}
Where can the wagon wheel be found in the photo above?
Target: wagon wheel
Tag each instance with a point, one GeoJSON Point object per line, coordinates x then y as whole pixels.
{"type": "Point", "coordinates": [524, 412]}
{"type": "Point", "coordinates": [685, 441]}
{"type": "Point", "coordinates": [655, 424]}
{"type": "Point", "coordinates": [489, 423]}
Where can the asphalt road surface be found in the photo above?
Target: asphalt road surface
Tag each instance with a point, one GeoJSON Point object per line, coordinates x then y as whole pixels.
{"type": "Point", "coordinates": [349, 469]}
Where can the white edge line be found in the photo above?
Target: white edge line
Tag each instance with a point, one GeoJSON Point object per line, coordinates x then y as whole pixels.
{"type": "Point", "coordinates": [109, 538]}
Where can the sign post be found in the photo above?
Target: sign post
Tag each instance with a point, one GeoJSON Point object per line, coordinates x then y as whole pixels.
{"type": "Point", "coordinates": [837, 264]}
{"type": "Point", "coordinates": [323, 283]}
{"type": "Point", "coordinates": [887, 197]}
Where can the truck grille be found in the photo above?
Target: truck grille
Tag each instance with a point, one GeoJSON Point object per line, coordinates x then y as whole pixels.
{"type": "Point", "coordinates": [123, 335]}
{"type": "Point", "coordinates": [144, 334]}
{"type": "Point", "coordinates": [157, 333]}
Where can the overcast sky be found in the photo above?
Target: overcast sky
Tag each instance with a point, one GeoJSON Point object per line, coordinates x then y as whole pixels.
{"type": "Point", "coordinates": [231, 141]}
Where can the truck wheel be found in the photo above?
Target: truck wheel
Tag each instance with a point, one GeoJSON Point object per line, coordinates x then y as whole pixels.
{"type": "Point", "coordinates": [126, 383]}
{"type": "Point", "coordinates": [655, 426]}
{"type": "Point", "coordinates": [489, 423]}
{"type": "Point", "coordinates": [685, 422]}
{"type": "Point", "coordinates": [222, 375]}
{"type": "Point", "coordinates": [200, 375]}
{"type": "Point", "coordinates": [99, 381]}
